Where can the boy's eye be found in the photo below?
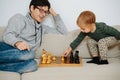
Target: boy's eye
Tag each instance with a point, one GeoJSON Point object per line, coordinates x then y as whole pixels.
{"type": "Point", "coordinates": [83, 28]}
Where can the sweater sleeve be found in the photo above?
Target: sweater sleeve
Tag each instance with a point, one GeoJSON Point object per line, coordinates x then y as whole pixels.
{"type": "Point", "coordinates": [59, 28]}
{"type": "Point", "coordinates": [78, 40]}
{"type": "Point", "coordinates": [112, 31]}
{"type": "Point", "coordinates": [13, 29]}
{"type": "Point", "coordinates": [60, 24]}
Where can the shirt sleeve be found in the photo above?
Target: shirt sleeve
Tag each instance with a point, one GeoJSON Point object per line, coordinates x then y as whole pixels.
{"type": "Point", "coordinates": [78, 40]}
{"type": "Point", "coordinates": [59, 28]}
{"type": "Point", "coordinates": [112, 31]}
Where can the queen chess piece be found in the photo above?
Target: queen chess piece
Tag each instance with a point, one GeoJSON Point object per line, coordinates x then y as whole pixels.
{"type": "Point", "coordinates": [77, 61]}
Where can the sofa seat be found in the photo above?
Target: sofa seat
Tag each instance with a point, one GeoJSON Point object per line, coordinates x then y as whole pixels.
{"type": "Point", "coordinates": [5, 75]}
{"type": "Point", "coordinates": [86, 72]}
{"type": "Point", "coordinates": [57, 44]}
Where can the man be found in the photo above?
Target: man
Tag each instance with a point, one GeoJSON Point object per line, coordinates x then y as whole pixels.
{"type": "Point", "coordinates": [23, 36]}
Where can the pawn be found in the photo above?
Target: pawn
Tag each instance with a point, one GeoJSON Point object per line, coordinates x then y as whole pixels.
{"type": "Point", "coordinates": [77, 61]}
{"type": "Point", "coordinates": [62, 59]}
{"type": "Point", "coordinates": [71, 58]}
{"type": "Point", "coordinates": [54, 59]}
{"type": "Point", "coordinates": [65, 59]}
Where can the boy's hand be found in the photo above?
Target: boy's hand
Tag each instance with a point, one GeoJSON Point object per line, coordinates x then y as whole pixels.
{"type": "Point", "coordinates": [22, 45]}
{"type": "Point", "coordinates": [52, 12]}
{"type": "Point", "coordinates": [66, 53]}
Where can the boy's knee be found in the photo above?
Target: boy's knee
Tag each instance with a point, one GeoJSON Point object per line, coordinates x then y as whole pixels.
{"type": "Point", "coordinates": [101, 42]}
{"type": "Point", "coordinates": [90, 41]}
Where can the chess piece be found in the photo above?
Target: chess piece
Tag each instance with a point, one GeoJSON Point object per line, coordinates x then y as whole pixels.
{"type": "Point", "coordinates": [44, 51]}
{"type": "Point", "coordinates": [54, 59]}
{"type": "Point", "coordinates": [49, 58]}
{"type": "Point", "coordinates": [62, 59]}
{"type": "Point", "coordinates": [65, 59]}
{"type": "Point", "coordinates": [71, 58]}
{"type": "Point", "coordinates": [44, 57]}
{"type": "Point", "coordinates": [77, 61]}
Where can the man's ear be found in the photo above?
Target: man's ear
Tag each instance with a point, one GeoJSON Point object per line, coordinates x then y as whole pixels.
{"type": "Point", "coordinates": [31, 8]}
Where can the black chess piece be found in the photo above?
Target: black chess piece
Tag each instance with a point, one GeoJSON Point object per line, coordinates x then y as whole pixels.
{"type": "Point", "coordinates": [65, 59]}
{"type": "Point", "coordinates": [77, 61]}
{"type": "Point", "coordinates": [71, 58]}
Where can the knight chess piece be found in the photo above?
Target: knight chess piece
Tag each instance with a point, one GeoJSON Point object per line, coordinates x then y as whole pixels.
{"type": "Point", "coordinates": [71, 58]}
{"type": "Point", "coordinates": [77, 61]}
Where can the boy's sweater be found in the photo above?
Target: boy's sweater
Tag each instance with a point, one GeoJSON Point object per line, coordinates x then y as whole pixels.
{"type": "Point", "coordinates": [102, 31]}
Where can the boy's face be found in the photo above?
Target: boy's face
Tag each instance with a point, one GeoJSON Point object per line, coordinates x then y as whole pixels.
{"type": "Point", "coordinates": [85, 28]}
{"type": "Point", "coordinates": [39, 13]}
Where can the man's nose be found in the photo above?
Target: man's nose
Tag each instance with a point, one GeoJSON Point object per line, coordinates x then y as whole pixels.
{"type": "Point", "coordinates": [43, 14]}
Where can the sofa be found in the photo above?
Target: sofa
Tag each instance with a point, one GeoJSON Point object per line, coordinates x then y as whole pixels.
{"type": "Point", "coordinates": [57, 44]}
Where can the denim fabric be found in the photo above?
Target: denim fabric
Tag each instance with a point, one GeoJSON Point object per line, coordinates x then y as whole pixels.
{"type": "Point", "coordinates": [12, 59]}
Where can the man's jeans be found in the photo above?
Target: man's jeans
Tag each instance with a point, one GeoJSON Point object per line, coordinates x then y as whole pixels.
{"type": "Point", "coordinates": [12, 59]}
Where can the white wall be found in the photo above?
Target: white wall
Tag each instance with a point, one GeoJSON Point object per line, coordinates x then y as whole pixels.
{"type": "Point", "coordinates": [106, 10]}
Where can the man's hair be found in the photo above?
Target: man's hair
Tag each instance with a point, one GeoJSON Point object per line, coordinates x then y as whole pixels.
{"type": "Point", "coordinates": [88, 17]}
{"type": "Point", "coordinates": [36, 3]}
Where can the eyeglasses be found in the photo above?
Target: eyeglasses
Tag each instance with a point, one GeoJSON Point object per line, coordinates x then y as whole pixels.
{"type": "Point", "coordinates": [42, 11]}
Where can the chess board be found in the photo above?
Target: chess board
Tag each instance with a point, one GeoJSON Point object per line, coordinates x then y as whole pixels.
{"type": "Point", "coordinates": [58, 63]}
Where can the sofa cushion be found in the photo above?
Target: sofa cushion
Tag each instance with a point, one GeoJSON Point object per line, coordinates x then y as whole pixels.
{"type": "Point", "coordinates": [2, 30]}
{"type": "Point", "coordinates": [4, 75]}
{"type": "Point", "coordinates": [53, 43]}
{"type": "Point", "coordinates": [57, 44]}
{"type": "Point", "coordinates": [86, 72]}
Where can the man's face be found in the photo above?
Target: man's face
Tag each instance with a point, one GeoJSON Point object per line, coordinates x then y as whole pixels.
{"type": "Point", "coordinates": [39, 13]}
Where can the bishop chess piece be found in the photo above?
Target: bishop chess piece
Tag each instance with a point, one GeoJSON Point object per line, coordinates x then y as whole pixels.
{"type": "Point", "coordinates": [77, 61]}
{"type": "Point", "coordinates": [71, 58]}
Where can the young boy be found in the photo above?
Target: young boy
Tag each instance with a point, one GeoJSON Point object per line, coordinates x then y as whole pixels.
{"type": "Point", "coordinates": [101, 36]}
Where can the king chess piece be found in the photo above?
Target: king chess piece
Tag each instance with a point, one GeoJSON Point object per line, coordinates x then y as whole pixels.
{"type": "Point", "coordinates": [77, 61]}
{"type": "Point", "coordinates": [71, 58]}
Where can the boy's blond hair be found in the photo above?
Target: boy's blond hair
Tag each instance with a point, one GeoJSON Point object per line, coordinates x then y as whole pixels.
{"type": "Point", "coordinates": [86, 17]}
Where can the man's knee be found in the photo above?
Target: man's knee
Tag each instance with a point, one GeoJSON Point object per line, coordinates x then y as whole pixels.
{"type": "Point", "coordinates": [30, 66]}
{"type": "Point", "coordinates": [26, 55]}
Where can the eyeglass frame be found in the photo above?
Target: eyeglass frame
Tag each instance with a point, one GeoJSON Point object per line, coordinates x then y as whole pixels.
{"type": "Point", "coordinates": [42, 11]}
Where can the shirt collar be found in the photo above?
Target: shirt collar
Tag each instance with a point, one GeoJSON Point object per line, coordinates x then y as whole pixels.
{"type": "Point", "coordinates": [32, 21]}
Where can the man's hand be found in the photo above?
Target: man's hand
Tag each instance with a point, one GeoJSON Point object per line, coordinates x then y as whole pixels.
{"type": "Point", "coordinates": [22, 45]}
{"type": "Point", "coordinates": [52, 12]}
{"type": "Point", "coordinates": [66, 53]}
